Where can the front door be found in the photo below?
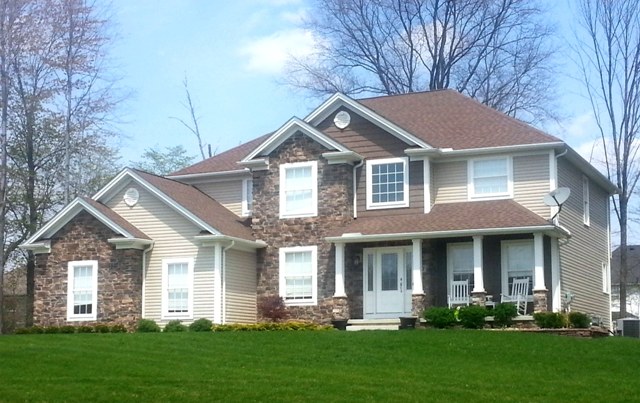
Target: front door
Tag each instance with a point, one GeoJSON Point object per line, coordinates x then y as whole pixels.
{"type": "Point", "coordinates": [387, 282]}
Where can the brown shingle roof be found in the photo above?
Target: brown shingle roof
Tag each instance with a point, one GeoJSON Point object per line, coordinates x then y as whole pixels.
{"type": "Point", "coordinates": [225, 161]}
{"type": "Point", "coordinates": [116, 218]}
{"type": "Point", "coordinates": [200, 205]}
{"type": "Point", "coordinates": [448, 119]}
{"type": "Point", "coordinates": [476, 215]}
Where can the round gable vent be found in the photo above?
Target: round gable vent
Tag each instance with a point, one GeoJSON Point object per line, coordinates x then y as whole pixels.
{"type": "Point", "coordinates": [342, 119]}
{"type": "Point", "coordinates": [131, 197]}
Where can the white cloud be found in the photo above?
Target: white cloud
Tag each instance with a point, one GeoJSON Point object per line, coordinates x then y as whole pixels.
{"type": "Point", "coordinates": [269, 54]}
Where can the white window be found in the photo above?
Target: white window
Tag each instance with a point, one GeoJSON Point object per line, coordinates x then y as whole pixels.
{"type": "Point", "coordinates": [490, 178]}
{"type": "Point", "coordinates": [82, 290]}
{"type": "Point", "coordinates": [247, 197]}
{"type": "Point", "coordinates": [606, 280]}
{"type": "Point", "coordinates": [387, 183]}
{"type": "Point", "coordinates": [298, 275]}
{"type": "Point", "coordinates": [517, 263]}
{"type": "Point", "coordinates": [585, 200]}
{"type": "Point", "coordinates": [460, 262]}
{"type": "Point", "coordinates": [177, 288]}
{"type": "Point", "coordinates": [299, 189]}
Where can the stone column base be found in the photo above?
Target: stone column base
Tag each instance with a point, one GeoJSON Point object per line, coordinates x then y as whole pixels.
{"type": "Point", "coordinates": [417, 304]}
{"type": "Point", "coordinates": [478, 298]}
{"type": "Point", "coordinates": [340, 308]}
{"type": "Point", "coordinates": [540, 301]}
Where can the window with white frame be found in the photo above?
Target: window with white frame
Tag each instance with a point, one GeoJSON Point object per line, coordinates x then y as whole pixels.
{"type": "Point", "coordinates": [82, 290]}
{"type": "Point", "coordinates": [517, 263]}
{"type": "Point", "coordinates": [299, 189]}
{"type": "Point", "coordinates": [490, 178]}
{"type": "Point", "coordinates": [585, 201]}
{"type": "Point", "coordinates": [247, 197]}
{"type": "Point", "coordinates": [460, 262]}
{"type": "Point", "coordinates": [298, 275]}
{"type": "Point", "coordinates": [387, 183]}
{"type": "Point", "coordinates": [177, 288]}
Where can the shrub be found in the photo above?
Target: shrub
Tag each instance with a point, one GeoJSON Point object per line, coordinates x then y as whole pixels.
{"type": "Point", "coordinates": [550, 320]}
{"type": "Point", "coordinates": [85, 329]}
{"type": "Point", "coordinates": [102, 328]}
{"type": "Point", "coordinates": [52, 330]}
{"type": "Point", "coordinates": [147, 326]}
{"type": "Point", "coordinates": [67, 329]}
{"type": "Point", "coordinates": [269, 326]}
{"type": "Point", "coordinates": [473, 317]}
{"type": "Point", "coordinates": [36, 330]}
{"type": "Point", "coordinates": [503, 314]}
{"type": "Point", "coordinates": [23, 330]}
{"type": "Point", "coordinates": [174, 326]}
{"type": "Point", "coordinates": [201, 325]}
{"type": "Point", "coordinates": [272, 307]}
{"type": "Point", "coordinates": [118, 328]}
{"type": "Point", "coordinates": [440, 317]}
{"type": "Point", "coordinates": [579, 320]}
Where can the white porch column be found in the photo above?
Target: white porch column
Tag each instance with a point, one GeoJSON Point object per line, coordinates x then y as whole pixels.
{"type": "Point", "coordinates": [556, 299]}
{"type": "Point", "coordinates": [340, 271]}
{"type": "Point", "coordinates": [478, 272]}
{"type": "Point", "coordinates": [538, 258]}
{"type": "Point", "coordinates": [217, 284]}
{"type": "Point", "coordinates": [416, 267]}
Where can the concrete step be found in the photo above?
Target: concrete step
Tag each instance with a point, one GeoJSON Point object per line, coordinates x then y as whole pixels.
{"type": "Point", "coordinates": [373, 324]}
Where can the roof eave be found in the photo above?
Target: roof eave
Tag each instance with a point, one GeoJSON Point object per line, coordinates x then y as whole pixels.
{"type": "Point", "coordinates": [211, 240]}
{"type": "Point", "coordinates": [342, 157]}
{"type": "Point", "coordinates": [131, 243]}
{"type": "Point", "coordinates": [449, 152]}
{"type": "Point", "coordinates": [210, 175]}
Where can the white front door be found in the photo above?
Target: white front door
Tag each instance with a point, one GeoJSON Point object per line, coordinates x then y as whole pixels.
{"type": "Point", "coordinates": [387, 282]}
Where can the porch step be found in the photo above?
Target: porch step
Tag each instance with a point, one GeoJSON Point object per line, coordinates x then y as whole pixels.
{"type": "Point", "coordinates": [373, 324]}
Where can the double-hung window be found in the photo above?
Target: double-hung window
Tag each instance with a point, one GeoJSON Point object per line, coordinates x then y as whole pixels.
{"type": "Point", "coordinates": [177, 284]}
{"type": "Point", "coordinates": [387, 183]}
{"type": "Point", "coordinates": [517, 263]}
{"type": "Point", "coordinates": [460, 262]}
{"type": "Point", "coordinates": [299, 189]}
{"type": "Point", "coordinates": [298, 275]}
{"type": "Point", "coordinates": [82, 290]}
{"type": "Point", "coordinates": [490, 177]}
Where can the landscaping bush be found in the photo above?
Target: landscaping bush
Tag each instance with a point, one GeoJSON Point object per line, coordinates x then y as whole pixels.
{"type": "Point", "coordinates": [23, 330]}
{"type": "Point", "coordinates": [503, 314]}
{"type": "Point", "coordinates": [579, 320]}
{"type": "Point", "coordinates": [147, 326]}
{"type": "Point", "coordinates": [85, 329]}
{"type": "Point", "coordinates": [118, 328]}
{"type": "Point", "coordinates": [36, 330]}
{"type": "Point", "coordinates": [67, 329]}
{"type": "Point", "coordinates": [269, 326]}
{"type": "Point", "coordinates": [440, 317]}
{"type": "Point", "coordinates": [201, 325]}
{"type": "Point", "coordinates": [174, 326]}
{"type": "Point", "coordinates": [550, 320]}
{"type": "Point", "coordinates": [272, 307]}
{"type": "Point", "coordinates": [102, 328]}
{"type": "Point", "coordinates": [51, 330]}
{"type": "Point", "coordinates": [473, 317]}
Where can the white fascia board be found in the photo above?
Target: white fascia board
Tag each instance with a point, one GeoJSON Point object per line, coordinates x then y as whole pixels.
{"type": "Point", "coordinates": [260, 164]}
{"type": "Point", "coordinates": [293, 125]}
{"type": "Point", "coordinates": [212, 240]}
{"type": "Point", "coordinates": [37, 247]}
{"type": "Point", "coordinates": [243, 172]}
{"type": "Point", "coordinates": [448, 152]}
{"type": "Point", "coordinates": [342, 157]}
{"type": "Point", "coordinates": [591, 171]}
{"type": "Point", "coordinates": [338, 99]}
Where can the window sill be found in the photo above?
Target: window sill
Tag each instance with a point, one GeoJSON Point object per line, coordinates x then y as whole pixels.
{"type": "Point", "coordinates": [386, 206]}
{"type": "Point", "coordinates": [81, 318]}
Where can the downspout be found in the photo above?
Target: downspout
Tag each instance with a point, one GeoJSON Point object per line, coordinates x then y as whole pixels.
{"type": "Point", "coordinates": [355, 188]}
{"type": "Point", "coordinates": [224, 281]}
{"type": "Point", "coordinates": [144, 276]}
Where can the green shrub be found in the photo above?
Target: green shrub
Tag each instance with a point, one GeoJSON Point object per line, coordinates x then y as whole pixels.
{"type": "Point", "coordinates": [102, 328]}
{"type": "Point", "coordinates": [269, 326]}
{"type": "Point", "coordinates": [579, 320]}
{"type": "Point", "coordinates": [85, 329]}
{"type": "Point", "coordinates": [23, 330]}
{"type": "Point", "coordinates": [473, 317]}
{"type": "Point", "coordinates": [52, 329]}
{"type": "Point", "coordinates": [147, 326]}
{"type": "Point", "coordinates": [201, 325]}
{"type": "Point", "coordinates": [550, 320]}
{"type": "Point", "coordinates": [118, 328]}
{"type": "Point", "coordinates": [67, 329]}
{"type": "Point", "coordinates": [440, 317]}
{"type": "Point", "coordinates": [503, 314]}
{"type": "Point", "coordinates": [174, 326]}
{"type": "Point", "coordinates": [36, 330]}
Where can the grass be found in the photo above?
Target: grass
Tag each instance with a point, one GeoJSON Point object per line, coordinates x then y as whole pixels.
{"type": "Point", "coordinates": [451, 365]}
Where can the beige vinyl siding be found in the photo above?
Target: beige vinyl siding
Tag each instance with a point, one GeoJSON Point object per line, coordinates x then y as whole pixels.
{"type": "Point", "coordinates": [531, 182]}
{"type": "Point", "coordinates": [173, 236]}
{"type": "Point", "coordinates": [240, 286]}
{"type": "Point", "coordinates": [581, 258]}
{"type": "Point", "coordinates": [227, 193]}
{"type": "Point", "coordinates": [449, 181]}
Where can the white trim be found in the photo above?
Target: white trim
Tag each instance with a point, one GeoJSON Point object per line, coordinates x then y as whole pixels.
{"type": "Point", "coordinates": [538, 265]}
{"type": "Point", "coordinates": [246, 211]}
{"type": "Point", "coordinates": [556, 285]}
{"type": "Point", "coordinates": [522, 149]}
{"type": "Point", "coordinates": [606, 278]}
{"type": "Point", "coordinates": [478, 264]}
{"type": "Point", "coordinates": [471, 194]}
{"type": "Point", "coordinates": [71, 317]}
{"type": "Point", "coordinates": [314, 274]}
{"type": "Point", "coordinates": [504, 272]}
{"type": "Point", "coordinates": [130, 243]}
{"type": "Point", "coordinates": [165, 282]}
{"type": "Point", "coordinates": [586, 202]}
{"type": "Point", "coordinates": [384, 205]}
{"type": "Point", "coordinates": [217, 283]}
{"type": "Point", "coordinates": [342, 157]}
{"type": "Point", "coordinates": [210, 175]}
{"type": "Point", "coordinates": [416, 267]}
{"type": "Point", "coordinates": [339, 277]}
{"type": "Point", "coordinates": [312, 209]}
{"type": "Point", "coordinates": [370, 298]}
{"type": "Point", "coordinates": [553, 181]}
{"type": "Point", "coordinates": [426, 172]}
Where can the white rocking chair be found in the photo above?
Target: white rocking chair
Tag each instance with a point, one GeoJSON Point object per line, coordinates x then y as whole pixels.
{"type": "Point", "coordinates": [519, 294]}
{"type": "Point", "coordinates": [459, 293]}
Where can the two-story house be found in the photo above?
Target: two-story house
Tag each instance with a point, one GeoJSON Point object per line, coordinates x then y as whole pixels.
{"type": "Point", "coordinates": [364, 209]}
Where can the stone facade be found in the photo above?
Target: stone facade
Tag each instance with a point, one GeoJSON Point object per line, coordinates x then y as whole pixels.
{"type": "Point", "coordinates": [119, 275]}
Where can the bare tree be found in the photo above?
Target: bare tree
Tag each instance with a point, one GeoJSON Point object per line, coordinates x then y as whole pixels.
{"type": "Point", "coordinates": [193, 127]}
{"type": "Point", "coordinates": [496, 51]}
{"type": "Point", "coordinates": [609, 58]}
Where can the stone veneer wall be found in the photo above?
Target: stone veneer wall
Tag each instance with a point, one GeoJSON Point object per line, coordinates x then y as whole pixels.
{"type": "Point", "coordinates": [119, 275]}
{"type": "Point", "coordinates": [335, 192]}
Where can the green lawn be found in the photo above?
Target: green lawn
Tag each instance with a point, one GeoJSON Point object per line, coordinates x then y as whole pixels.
{"type": "Point", "coordinates": [420, 365]}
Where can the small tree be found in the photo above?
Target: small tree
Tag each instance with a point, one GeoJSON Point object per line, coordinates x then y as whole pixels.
{"type": "Point", "coordinates": [272, 307]}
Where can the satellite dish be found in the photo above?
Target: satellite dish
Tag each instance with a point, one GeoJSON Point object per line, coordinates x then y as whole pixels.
{"type": "Point", "coordinates": [342, 119]}
{"type": "Point", "coordinates": [131, 197]}
{"type": "Point", "coordinates": [556, 198]}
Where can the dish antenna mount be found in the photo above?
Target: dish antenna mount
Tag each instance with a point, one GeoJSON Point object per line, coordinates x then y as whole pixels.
{"type": "Point", "coordinates": [556, 198]}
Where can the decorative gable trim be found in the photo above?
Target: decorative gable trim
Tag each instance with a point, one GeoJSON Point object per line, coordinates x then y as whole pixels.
{"type": "Point", "coordinates": [293, 126]}
{"type": "Point", "coordinates": [338, 100]}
